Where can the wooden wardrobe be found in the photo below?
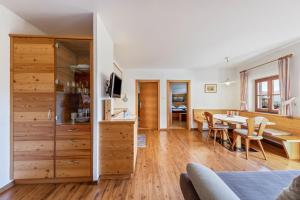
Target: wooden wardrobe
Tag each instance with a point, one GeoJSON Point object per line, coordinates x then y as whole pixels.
{"type": "Point", "coordinates": [51, 115]}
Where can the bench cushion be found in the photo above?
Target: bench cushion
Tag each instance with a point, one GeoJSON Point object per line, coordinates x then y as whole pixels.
{"type": "Point", "coordinates": [274, 132]}
{"type": "Point", "coordinates": [244, 132]}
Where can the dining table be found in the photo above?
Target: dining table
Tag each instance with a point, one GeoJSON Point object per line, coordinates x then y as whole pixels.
{"type": "Point", "coordinates": [238, 121]}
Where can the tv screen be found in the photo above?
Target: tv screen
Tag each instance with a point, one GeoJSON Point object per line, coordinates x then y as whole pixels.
{"type": "Point", "coordinates": [116, 86]}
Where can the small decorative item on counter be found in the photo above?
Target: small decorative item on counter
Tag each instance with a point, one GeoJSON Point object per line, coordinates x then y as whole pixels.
{"type": "Point", "coordinates": [59, 85]}
{"type": "Point", "coordinates": [73, 117]}
{"type": "Point", "coordinates": [85, 99]}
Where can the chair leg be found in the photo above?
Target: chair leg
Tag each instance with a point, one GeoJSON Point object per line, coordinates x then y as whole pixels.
{"type": "Point", "coordinates": [247, 147]}
{"type": "Point", "coordinates": [262, 149]}
{"type": "Point", "coordinates": [226, 132]}
{"type": "Point", "coordinates": [208, 135]}
{"type": "Point", "coordinates": [215, 137]}
{"type": "Point", "coordinates": [234, 141]}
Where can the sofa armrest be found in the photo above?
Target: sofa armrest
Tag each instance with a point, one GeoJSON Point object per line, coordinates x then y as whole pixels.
{"type": "Point", "coordinates": [208, 184]}
{"type": "Point", "coordinates": [187, 188]}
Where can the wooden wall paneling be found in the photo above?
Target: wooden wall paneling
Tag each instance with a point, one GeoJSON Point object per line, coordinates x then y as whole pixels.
{"type": "Point", "coordinates": [33, 107]}
{"type": "Point", "coordinates": [281, 123]}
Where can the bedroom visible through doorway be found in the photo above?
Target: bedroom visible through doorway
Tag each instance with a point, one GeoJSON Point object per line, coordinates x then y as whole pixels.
{"type": "Point", "coordinates": [178, 104]}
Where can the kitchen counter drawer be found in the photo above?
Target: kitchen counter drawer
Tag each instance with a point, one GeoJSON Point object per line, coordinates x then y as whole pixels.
{"type": "Point", "coordinates": [66, 168]}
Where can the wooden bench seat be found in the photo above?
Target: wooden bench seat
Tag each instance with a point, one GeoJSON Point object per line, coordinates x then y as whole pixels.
{"type": "Point", "coordinates": [290, 143]}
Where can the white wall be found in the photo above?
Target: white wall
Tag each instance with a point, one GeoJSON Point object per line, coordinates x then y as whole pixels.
{"type": "Point", "coordinates": [10, 23]}
{"type": "Point", "coordinates": [224, 98]}
{"type": "Point", "coordinates": [272, 69]}
{"type": "Point", "coordinates": [103, 67]}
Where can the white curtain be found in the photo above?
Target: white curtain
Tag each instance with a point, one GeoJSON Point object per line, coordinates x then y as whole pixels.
{"type": "Point", "coordinates": [285, 87]}
{"type": "Point", "coordinates": [244, 90]}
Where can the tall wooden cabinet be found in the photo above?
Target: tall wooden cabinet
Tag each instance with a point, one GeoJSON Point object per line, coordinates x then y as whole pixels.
{"type": "Point", "coordinates": [51, 108]}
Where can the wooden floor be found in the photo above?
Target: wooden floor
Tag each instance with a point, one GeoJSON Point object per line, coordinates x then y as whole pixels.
{"type": "Point", "coordinates": [157, 170]}
{"type": "Point", "coordinates": [178, 124]}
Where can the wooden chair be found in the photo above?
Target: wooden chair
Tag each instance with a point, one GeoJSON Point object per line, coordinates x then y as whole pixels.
{"type": "Point", "coordinates": [215, 128]}
{"type": "Point", "coordinates": [250, 134]}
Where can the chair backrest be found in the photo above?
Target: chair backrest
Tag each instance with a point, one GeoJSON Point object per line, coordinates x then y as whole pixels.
{"type": "Point", "coordinates": [252, 122]}
{"type": "Point", "coordinates": [209, 118]}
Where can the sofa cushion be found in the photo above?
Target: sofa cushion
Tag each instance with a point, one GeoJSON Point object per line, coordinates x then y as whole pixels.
{"type": "Point", "coordinates": [292, 192]}
{"type": "Point", "coordinates": [208, 184]}
{"type": "Point", "coordinates": [260, 185]}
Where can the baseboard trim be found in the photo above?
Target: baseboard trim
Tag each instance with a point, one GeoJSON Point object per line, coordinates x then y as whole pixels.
{"type": "Point", "coordinates": [53, 180]}
{"type": "Point", "coordinates": [115, 176]}
{"type": "Point", "coordinates": [7, 186]}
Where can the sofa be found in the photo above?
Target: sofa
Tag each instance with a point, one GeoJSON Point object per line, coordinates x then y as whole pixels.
{"type": "Point", "coordinates": [200, 181]}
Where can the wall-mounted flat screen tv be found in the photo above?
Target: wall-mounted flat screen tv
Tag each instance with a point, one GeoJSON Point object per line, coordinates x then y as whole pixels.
{"type": "Point", "coordinates": [115, 86]}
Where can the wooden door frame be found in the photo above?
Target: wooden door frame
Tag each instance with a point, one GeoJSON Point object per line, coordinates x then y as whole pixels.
{"type": "Point", "coordinates": [188, 82]}
{"type": "Point", "coordinates": [137, 81]}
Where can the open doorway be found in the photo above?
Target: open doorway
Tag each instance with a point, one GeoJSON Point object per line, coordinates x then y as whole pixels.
{"type": "Point", "coordinates": [148, 104]}
{"type": "Point", "coordinates": [178, 104]}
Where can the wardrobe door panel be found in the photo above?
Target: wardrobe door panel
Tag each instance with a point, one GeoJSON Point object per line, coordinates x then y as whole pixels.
{"type": "Point", "coordinates": [33, 107]}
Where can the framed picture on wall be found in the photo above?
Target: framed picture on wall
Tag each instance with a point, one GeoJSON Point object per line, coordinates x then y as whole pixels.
{"type": "Point", "coordinates": [210, 88]}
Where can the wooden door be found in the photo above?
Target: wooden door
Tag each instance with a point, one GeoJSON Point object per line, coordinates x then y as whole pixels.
{"type": "Point", "coordinates": [149, 103]}
{"type": "Point", "coordinates": [33, 107]}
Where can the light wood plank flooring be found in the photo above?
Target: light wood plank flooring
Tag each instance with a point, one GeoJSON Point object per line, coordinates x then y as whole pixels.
{"type": "Point", "coordinates": [158, 168]}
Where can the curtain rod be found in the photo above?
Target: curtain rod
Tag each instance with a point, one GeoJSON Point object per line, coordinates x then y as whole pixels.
{"type": "Point", "coordinates": [286, 56]}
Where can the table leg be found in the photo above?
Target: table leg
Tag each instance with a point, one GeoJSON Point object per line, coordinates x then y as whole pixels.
{"type": "Point", "coordinates": [238, 143]}
{"type": "Point", "coordinates": [224, 134]}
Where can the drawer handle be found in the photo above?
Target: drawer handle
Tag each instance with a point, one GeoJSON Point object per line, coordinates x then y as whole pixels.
{"type": "Point", "coordinates": [71, 130]}
{"type": "Point", "coordinates": [75, 162]}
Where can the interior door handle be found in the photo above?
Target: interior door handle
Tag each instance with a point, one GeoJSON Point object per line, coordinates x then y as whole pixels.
{"type": "Point", "coordinates": [49, 114]}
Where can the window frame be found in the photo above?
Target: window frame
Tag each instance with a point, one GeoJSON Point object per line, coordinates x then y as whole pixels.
{"type": "Point", "coordinates": [270, 94]}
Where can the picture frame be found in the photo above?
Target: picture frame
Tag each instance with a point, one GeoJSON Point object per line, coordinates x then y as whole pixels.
{"type": "Point", "coordinates": [210, 88]}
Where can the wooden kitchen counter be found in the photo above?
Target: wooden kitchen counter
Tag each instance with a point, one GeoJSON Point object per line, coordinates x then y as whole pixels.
{"type": "Point", "coordinates": [118, 147]}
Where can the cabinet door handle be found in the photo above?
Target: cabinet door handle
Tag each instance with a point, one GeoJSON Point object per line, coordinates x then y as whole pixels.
{"type": "Point", "coordinates": [71, 129]}
{"type": "Point", "coordinates": [49, 114]}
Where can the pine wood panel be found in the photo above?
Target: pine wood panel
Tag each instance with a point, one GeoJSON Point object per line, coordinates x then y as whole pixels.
{"type": "Point", "coordinates": [73, 168]}
{"type": "Point", "coordinates": [149, 105]}
{"type": "Point", "coordinates": [30, 131]}
{"type": "Point", "coordinates": [33, 98]}
{"type": "Point", "coordinates": [281, 123]}
{"type": "Point", "coordinates": [33, 103]}
{"type": "Point", "coordinates": [72, 144]}
{"type": "Point", "coordinates": [34, 82]}
{"type": "Point", "coordinates": [33, 169]}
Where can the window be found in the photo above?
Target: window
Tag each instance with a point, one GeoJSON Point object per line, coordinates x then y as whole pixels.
{"type": "Point", "coordinates": [267, 95]}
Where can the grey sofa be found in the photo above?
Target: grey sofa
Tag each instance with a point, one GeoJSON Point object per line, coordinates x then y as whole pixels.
{"type": "Point", "coordinates": [260, 185]}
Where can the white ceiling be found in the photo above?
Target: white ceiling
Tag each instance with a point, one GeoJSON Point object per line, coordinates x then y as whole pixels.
{"type": "Point", "coordinates": [173, 33]}
{"type": "Point", "coordinates": [61, 17]}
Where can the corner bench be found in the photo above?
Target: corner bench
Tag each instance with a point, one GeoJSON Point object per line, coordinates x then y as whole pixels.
{"type": "Point", "coordinates": [290, 143]}
{"type": "Point", "coordinates": [286, 132]}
